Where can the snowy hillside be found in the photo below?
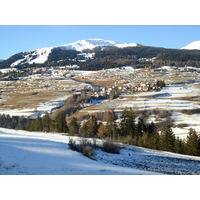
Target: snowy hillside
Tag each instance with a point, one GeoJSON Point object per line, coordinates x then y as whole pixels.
{"type": "Point", "coordinates": [48, 154]}
{"type": "Point", "coordinates": [39, 56]}
{"type": "Point", "coordinates": [192, 46]}
{"type": "Point", "coordinates": [38, 153]}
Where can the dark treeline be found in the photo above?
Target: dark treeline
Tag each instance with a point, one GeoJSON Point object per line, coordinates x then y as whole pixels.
{"type": "Point", "coordinates": [47, 124]}
{"type": "Point", "coordinates": [14, 122]}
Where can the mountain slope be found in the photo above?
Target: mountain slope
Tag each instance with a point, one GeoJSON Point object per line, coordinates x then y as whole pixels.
{"type": "Point", "coordinates": [193, 46]}
{"type": "Point", "coordinates": [109, 54]}
{"type": "Point", "coordinates": [39, 56]}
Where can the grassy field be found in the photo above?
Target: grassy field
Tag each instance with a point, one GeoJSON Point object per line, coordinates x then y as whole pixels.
{"type": "Point", "coordinates": [30, 93]}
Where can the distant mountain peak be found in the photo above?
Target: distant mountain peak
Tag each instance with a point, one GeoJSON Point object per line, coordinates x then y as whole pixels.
{"type": "Point", "coordinates": [193, 46]}
{"type": "Point", "coordinates": [92, 43]}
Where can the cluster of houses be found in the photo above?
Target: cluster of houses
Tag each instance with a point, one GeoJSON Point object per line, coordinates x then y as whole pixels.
{"type": "Point", "coordinates": [105, 92]}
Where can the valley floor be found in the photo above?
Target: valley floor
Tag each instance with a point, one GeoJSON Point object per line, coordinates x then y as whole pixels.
{"type": "Point", "coordinates": [37, 153]}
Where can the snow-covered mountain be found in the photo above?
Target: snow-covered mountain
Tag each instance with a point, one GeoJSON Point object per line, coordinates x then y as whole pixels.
{"type": "Point", "coordinates": [80, 45]}
{"type": "Point", "coordinates": [192, 46]}
{"type": "Point", "coordinates": [39, 56]}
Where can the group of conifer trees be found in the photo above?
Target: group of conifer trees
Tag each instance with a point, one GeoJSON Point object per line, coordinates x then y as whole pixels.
{"type": "Point", "coordinates": [128, 129]}
{"type": "Point", "coordinates": [14, 122]}
{"type": "Point", "coordinates": [47, 124]}
{"type": "Point", "coordinates": [136, 133]}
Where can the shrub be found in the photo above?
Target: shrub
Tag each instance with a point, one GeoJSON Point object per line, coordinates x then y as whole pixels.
{"type": "Point", "coordinates": [190, 112]}
{"type": "Point", "coordinates": [88, 151]}
{"type": "Point", "coordinates": [181, 125]}
{"type": "Point", "coordinates": [164, 114]}
{"type": "Point", "coordinates": [111, 147]}
{"type": "Point", "coordinates": [87, 147]}
{"type": "Point", "coordinates": [72, 144]}
{"type": "Point", "coordinates": [84, 146]}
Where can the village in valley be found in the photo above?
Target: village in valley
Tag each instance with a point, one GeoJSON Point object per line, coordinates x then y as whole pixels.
{"type": "Point", "coordinates": [102, 84]}
{"type": "Point", "coordinates": [111, 83]}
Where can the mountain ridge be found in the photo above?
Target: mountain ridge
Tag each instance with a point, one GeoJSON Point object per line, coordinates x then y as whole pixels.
{"type": "Point", "coordinates": [109, 53]}
{"type": "Point", "coordinates": [39, 56]}
{"type": "Point", "coordinates": [80, 45]}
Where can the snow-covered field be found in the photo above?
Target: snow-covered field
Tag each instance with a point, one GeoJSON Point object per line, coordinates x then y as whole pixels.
{"type": "Point", "coordinates": [37, 153]}
{"type": "Point", "coordinates": [166, 99]}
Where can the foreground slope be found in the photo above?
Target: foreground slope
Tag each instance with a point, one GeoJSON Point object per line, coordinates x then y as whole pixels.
{"type": "Point", "coordinates": [29, 153]}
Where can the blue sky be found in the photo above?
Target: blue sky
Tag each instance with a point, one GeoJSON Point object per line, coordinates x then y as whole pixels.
{"type": "Point", "coordinates": [19, 38]}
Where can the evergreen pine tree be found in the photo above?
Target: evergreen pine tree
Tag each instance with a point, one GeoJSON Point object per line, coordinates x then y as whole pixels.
{"type": "Point", "coordinates": [60, 123]}
{"type": "Point", "coordinates": [73, 127]}
{"type": "Point", "coordinates": [84, 129]}
{"type": "Point", "coordinates": [167, 138]}
{"type": "Point", "coordinates": [103, 131]}
{"type": "Point", "coordinates": [154, 140]}
{"type": "Point", "coordinates": [37, 125]}
{"type": "Point", "coordinates": [150, 128]}
{"type": "Point", "coordinates": [92, 126]}
{"type": "Point", "coordinates": [111, 127]}
{"type": "Point", "coordinates": [142, 141]}
{"type": "Point", "coordinates": [192, 143]}
{"type": "Point", "coordinates": [179, 146]}
{"type": "Point", "coordinates": [46, 122]}
{"type": "Point", "coordinates": [141, 127]}
{"type": "Point", "coordinates": [127, 124]}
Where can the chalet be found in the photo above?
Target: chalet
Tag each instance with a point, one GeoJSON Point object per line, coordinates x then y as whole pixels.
{"type": "Point", "coordinates": [145, 89]}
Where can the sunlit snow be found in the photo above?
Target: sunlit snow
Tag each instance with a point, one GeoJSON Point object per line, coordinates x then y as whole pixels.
{"type": "Point", "coordinates": [193, 45]}
{"type": "Point", "coordinates": [37, 153]}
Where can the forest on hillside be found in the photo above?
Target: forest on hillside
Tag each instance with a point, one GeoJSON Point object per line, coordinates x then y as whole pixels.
{"type": "Point", "coordinates": [110, 57]}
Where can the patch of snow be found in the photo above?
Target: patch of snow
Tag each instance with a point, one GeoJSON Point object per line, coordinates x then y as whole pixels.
{"type": "Point", "coordinates": [41, 55]}
{"type": "Point", "coordinates": [192, 68]}
{"type": "Point", "coordinates": [6, 70]}
{"type": "Point", "coordinates": [192, 46]}
{"type": "Point", "coordinates": [180, 132]}
{"type": "Point", "coordinates": [80, 45]}
{"type": "Point", "coordinates": [36, 56]}
{"type": "Point", "coordinates": [126, 45]}
{"type": "Point", "coordinates": [17, 62]}
{"type": "Point", "coordinates": [128, 68]}
{"type": "Point", "coordinates": [168, 68]}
